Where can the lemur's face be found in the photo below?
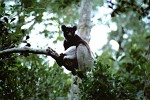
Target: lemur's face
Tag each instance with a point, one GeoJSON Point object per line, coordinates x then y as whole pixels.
{"type": "Point", "coordinates": [69, 32]}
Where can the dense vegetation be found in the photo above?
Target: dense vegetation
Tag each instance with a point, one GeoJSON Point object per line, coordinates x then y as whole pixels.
{"type": "Point", "coordinates": [117, 74]}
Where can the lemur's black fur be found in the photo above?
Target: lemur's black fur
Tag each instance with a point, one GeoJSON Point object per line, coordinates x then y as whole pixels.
{"type": "Point", "coordinates": [72, 39]}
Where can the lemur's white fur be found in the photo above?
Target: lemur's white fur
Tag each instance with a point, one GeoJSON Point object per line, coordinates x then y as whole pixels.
{"type": "Point", "coordinates": [82, 54]}
{"type": "Point", "coordinates": [70, 53]}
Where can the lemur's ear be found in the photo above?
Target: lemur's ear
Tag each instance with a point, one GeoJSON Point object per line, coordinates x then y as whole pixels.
{"type": "Point", "coordinates": [75, 28]}
{"type": "Point", "coordinates": [63, 27]}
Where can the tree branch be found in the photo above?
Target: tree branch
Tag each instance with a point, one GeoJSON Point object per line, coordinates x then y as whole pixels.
{"type": "Point", "coordinates": [49, 51]}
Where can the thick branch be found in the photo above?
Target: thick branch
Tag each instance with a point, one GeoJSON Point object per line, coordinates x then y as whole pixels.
{"type": "Point", "coordinates": [49, 51]}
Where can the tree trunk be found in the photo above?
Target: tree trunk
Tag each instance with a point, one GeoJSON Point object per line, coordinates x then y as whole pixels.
{"type": "Point", "coordinates": [84, 29]}
{"type": "Point", "coordinates": [84, 25]}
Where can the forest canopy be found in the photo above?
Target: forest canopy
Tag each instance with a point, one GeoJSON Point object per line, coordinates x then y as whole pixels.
{"type": "Point", "coordinates": [117, 74]}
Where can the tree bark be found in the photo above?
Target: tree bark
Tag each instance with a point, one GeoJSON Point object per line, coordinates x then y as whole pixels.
{"type": "Point", "coordinates": [49, 51]}
{"type": "Point", "coordinates": [84, 24]}
{"type": "Point", "coordinates": [84, 29]}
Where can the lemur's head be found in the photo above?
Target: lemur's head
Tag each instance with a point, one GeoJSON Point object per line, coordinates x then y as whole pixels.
{"type": "Point", "coordinates": [69, 32]}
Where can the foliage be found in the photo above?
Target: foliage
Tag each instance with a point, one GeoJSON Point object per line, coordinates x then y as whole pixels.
{"type": "Point", "coordinates": [98, 84]}
{"type": "Point", "coordinates": [26, 76]}
{"type": "Point", "coordinates": [123, 74]}
{"type": "Point", "coordinates": [33, 80]}
{"type": "Point", "coordinates": [117, 75]}
{"type": "Point", "coordinates": [127, 82]}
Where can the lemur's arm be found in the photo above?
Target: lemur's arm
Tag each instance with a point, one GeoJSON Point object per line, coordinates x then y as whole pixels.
{"type": "Point", "coordinates": [66, 45]}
